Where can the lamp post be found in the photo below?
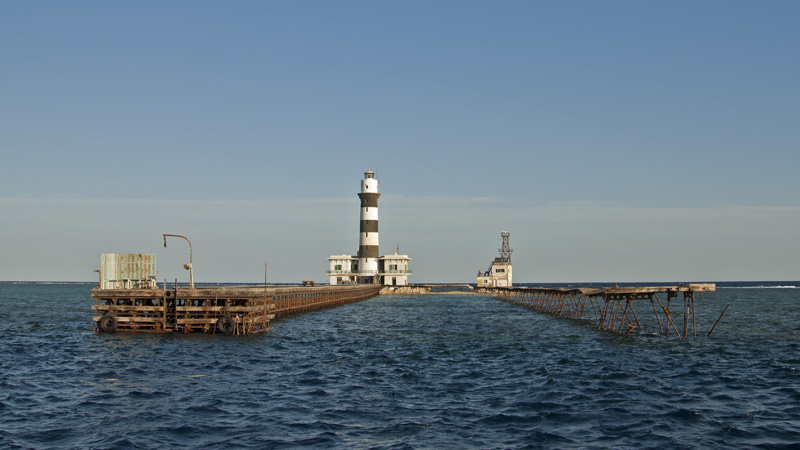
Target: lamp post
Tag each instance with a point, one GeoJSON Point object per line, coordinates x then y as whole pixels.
{"type": "Point", "coordinates": [185, 266]}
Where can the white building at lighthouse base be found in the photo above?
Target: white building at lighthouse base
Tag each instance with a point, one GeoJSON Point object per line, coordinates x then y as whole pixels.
{"type": "Point", "coordinates": [392, 270]}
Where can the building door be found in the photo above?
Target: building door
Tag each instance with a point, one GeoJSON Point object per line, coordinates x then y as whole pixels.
{"type": "Point", "coordinates": [394, 281]}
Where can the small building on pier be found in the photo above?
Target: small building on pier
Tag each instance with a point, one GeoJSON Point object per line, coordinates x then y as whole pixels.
{"type": "Point", "coordinates": [367, 267]}
{"type": "Point", "coordinates": [499, 272]}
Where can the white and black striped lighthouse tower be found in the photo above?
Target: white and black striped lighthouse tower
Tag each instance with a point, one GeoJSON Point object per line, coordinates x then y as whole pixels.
{"type": "Point", "coordinates": [368, 240]}
{"type": "Point", "coordinates": [368, 267]}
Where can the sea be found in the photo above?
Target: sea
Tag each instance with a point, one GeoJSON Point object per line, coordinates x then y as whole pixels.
{"type": "Point", "coordinates": [442, 371]}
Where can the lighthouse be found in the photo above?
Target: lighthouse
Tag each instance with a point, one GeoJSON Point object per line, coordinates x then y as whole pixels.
{"type": "Point", "coordinates": [368, 237]}
{"type": "Point", "coordinates": [367, 267]}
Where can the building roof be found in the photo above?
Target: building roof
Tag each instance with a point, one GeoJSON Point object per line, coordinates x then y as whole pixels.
{"type": "Point", "coordinates": [395, 256]}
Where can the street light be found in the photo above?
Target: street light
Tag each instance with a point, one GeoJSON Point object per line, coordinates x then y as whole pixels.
{"type": "Point", "coordinates": [185, 266]}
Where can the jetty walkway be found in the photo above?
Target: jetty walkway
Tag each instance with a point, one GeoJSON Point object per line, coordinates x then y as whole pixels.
{"type": "Point", "coordinates": [613, 309]}
{"type": "Point", "coordinates": [226, 310]}
{"type": "Point", "coordinates": [249, 309]}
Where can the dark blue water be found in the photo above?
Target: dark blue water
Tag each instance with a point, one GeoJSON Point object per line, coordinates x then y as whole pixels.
{"type": "Point", "coordinates": [439, 371]}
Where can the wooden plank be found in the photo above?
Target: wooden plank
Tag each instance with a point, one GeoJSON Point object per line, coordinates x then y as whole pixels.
{"type": "Point", "coordinates": [133, 308]}
{"type": "Point", "coordinates": [115, 293]}
{"type": "Point", "coordinates": [196, 321]}
{"type": "Point", "coordinates": [592, 292]}
{"type": "Point", "coordinates": [125, 308]}
{"type": "Point", "coordinates": [703, 287]}
{"type": "Point", "coordinates": [124, 319]}
{"type": "Point", "coordinates": [217, 309]}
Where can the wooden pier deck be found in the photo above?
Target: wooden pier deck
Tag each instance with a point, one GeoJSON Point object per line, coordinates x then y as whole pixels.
{"type": "Point", "coordinates": [226, 310]}
{"type": "Point", "coordinates": [612, 309]}
{"type": "Point", "coordinates": [249, 309]}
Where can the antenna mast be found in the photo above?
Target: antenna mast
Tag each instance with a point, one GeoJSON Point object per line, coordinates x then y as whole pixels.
{"type": "Point", "coordinates": [505, 251]}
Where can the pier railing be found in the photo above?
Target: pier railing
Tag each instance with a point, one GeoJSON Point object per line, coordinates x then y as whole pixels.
{"type": "Point", "coordinates": [291, 301]}
{"type": "Point", "coordinates": [369, 273]}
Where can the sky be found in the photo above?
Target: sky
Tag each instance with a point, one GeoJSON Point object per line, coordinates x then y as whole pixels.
{"type": "Point", "coordinates": [616, 141]}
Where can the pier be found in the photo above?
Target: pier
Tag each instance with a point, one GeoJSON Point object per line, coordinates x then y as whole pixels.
{"type": "Point", "coordinates": [225, 310]}
{"type": "Point", "coordinates": [614, 309]}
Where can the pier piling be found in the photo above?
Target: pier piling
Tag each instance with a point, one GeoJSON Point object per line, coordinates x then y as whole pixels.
{"type": "Point", "coordinates": [613, 308]}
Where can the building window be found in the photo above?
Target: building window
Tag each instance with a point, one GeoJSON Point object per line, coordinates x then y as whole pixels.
{"type": "Point", "coordinates": [500, 270]}
{"type": "Point", "coordinates": [338, 267]}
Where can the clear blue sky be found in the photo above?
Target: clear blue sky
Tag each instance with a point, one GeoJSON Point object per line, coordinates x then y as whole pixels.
{"type": "Point", "coordinates": [616, 140]}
